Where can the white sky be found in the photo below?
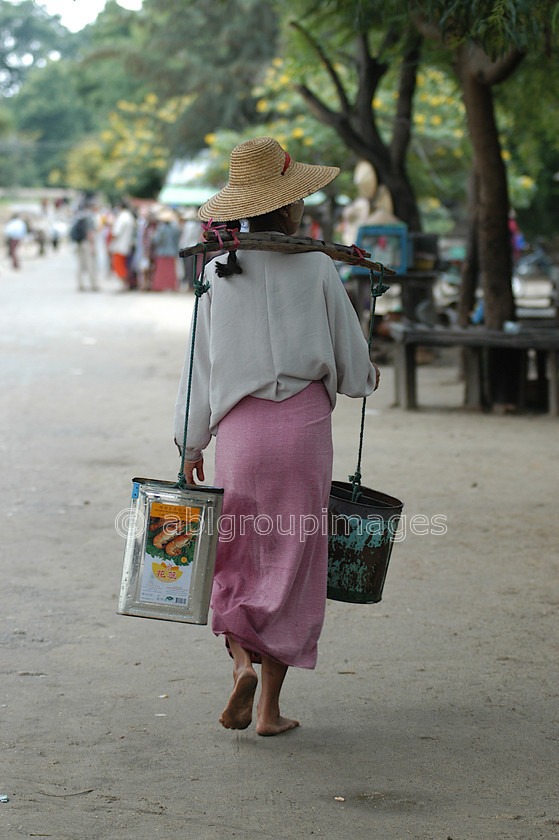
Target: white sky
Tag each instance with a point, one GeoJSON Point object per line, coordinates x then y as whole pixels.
{"type": "Point", "coordinates": [75, 14]}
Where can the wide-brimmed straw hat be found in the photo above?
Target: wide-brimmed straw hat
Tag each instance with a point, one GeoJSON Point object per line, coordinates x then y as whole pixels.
{"type": "Point", "coordinates": [262, 178]}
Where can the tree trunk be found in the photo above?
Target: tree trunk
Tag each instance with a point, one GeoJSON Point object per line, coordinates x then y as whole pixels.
{"type": "Point", "coordinates": [356, 126]}
{"type": "Point", "coordinates": [494, 243]}
{"type": "Point", "coordinates": [403, 196]}
{"type": "Point", "coordinates": [501, 381]}
{"type": "Point", "coordinates": [470, 266]}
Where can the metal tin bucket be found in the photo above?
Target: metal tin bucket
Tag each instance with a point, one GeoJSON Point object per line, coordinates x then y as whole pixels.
{"type": "Point", "coordinates": [170, 551]}
{"type": "Point", "coordinates": [360, 540]}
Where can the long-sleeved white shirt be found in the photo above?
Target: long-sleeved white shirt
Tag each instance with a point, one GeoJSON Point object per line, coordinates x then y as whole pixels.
{"type": "Point", "coordinates": [284, 322]}
{"type": "Point", "coordinates": [123, 233]}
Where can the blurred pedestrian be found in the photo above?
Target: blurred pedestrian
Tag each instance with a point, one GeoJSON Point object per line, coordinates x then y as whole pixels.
{"type": "Point", "coordinates": [166, 250]}
{"type": "Point", "coordinates": [82, 234]}
{"type": "Point", "coordinates": [191, 234]}
{"type": "Point", "coordinates": [40, 231]}
{"type": "Point", "coordinates": [517, 241]}
{"type": "Point", "coordinates": [57, 229]}
{"type": "Point", "coordinates": [122, 242]}
{"type": "Point", "coordinates": [14, 232]}
{"type": "Point", "coordinates": [146, 262]}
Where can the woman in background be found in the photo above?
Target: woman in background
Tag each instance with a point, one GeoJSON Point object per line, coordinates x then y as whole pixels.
{"type": "Point", "coordinates": [165, 244]}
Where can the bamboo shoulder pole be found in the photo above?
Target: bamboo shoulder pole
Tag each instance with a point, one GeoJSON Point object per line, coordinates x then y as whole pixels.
{"type": "Point", "coordinates": [225, 240]}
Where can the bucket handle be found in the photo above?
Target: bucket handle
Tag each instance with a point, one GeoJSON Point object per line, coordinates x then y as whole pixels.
{"type": "Point", "coordinates": [200, 288]}
{"type": "Point", "coordinates": [378, 288]}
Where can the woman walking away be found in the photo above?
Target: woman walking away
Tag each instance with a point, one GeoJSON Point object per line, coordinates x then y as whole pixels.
{"type": "Point", "coordinates": [165, 243]}
{"type": "Point", "coordinates": [277, 338]}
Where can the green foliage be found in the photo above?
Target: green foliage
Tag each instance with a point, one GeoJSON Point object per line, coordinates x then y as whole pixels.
{"type": "Point", "coordinates": [497, 25]}
{"type": "Point", "coordinates": [6, 121]}
{"type": "Point", "coordinates": [28, 36]}
{"type": "Point", "coordinates": [230, 70]}
{"type": "Point", "coordinates": [66, 102]}
{"type": "Point", "coordinates": [17, 161]}
{"type": "Point", "coordinates": [526, 105]}
{"type": "Point", "coordinates": [439, 159]}
{"type": "Point", "coordinates": [215, 52]}
{"type": "Point", "coordinates": [284, 116]}
{"type": "Point", "coordinates": [49, 110]}
{"type": "Point", "coordinates": [102, 71]}
{"type": "Point", "coordinates": [529, 122]}
{"type": "Point", "coordinates": [129, 155]}
{"type": "Point", "coordinates": [151, 93]}
{"type": "Point", "coordinates": [348, 17]}
{"type": "Point", "coordinates": [439, 156]}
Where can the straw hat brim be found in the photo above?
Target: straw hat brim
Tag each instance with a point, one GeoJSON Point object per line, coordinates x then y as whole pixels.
{"type": "Point", "coordinates": [236, 201]}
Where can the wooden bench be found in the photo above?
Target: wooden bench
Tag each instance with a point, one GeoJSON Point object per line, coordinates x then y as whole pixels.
{"type": "Point", "coordinates": [477, 340]}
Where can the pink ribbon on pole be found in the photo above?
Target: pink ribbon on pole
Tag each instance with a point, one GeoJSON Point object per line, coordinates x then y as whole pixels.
{"type": "Point", "coordinates": [358, 252]}
{"type": "Point", "coordinates": [210, 227]}
{"type": "Point", "coordinates": [236, 241]}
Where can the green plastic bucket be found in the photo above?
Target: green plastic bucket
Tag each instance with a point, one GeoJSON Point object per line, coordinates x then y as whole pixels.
{"type": "Point", "coordinates": [360, 540]}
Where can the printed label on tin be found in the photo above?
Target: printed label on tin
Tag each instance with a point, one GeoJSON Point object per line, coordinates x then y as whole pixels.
{"type": "Point", "coordinates": [172, 533]}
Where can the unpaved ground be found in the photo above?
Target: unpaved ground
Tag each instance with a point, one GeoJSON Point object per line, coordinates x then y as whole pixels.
{"type": "Point", "coordinates": [431, 715]}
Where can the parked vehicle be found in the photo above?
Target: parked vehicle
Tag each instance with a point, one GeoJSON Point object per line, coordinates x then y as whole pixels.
{"type": "Point", "coordinates": [536, 278]}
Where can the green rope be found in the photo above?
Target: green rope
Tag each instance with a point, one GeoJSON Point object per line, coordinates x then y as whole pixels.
{"type": "Point", "coordinates": [377, 289]}
{"type": "Point", "coordinates": [200, 288]}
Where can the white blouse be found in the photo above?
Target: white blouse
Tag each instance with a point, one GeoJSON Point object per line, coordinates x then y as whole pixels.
{"type": "Point", "coordinates": [284, 322]}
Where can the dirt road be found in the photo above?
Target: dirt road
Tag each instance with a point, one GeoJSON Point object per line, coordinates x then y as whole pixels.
{"type": "Point", "coordinates": [431, 715]}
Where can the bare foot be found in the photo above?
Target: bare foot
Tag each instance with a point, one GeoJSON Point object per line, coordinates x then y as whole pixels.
{"type": "Point", "coordinates": [275, 726]}
{"type": "Point", "coordinates": [238, 712]}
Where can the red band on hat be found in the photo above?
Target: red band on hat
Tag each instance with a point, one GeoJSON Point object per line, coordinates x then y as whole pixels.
{"type": "Point", "coordinates": [286, 164]}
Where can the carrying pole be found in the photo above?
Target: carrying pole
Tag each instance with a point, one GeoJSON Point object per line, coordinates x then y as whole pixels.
{"type": "Point", "coordinates": [378, 288]}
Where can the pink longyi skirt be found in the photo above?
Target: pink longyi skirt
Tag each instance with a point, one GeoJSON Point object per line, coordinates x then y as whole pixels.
{"type": "Point", "coordinates": [274, 460]}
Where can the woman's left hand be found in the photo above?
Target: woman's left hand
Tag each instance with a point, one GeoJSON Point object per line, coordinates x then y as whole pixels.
{"type": "Point", "coordinates": [378, 374]}
{"type": "Point", "coordinates": [191, 467]}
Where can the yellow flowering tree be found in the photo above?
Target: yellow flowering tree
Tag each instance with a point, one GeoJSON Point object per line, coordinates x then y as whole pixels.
{"type": "Point", "coordinates": [130, 155]}
{"type": "Point", "coordinates": [284, 116]}
{"type": "Point", "coordinates": [439, 155]}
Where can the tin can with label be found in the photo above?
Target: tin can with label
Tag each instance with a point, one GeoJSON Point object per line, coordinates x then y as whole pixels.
{"type": "Point", "coordinates": [170, 551]}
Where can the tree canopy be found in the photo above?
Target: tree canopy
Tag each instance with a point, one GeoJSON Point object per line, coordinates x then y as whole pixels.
{"type": "Point", "coordinates": [336, 80]}
{"type": "Point", "coordinates": [214, 54]}
{"type": "Point", "coordinates": [28, 37]}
